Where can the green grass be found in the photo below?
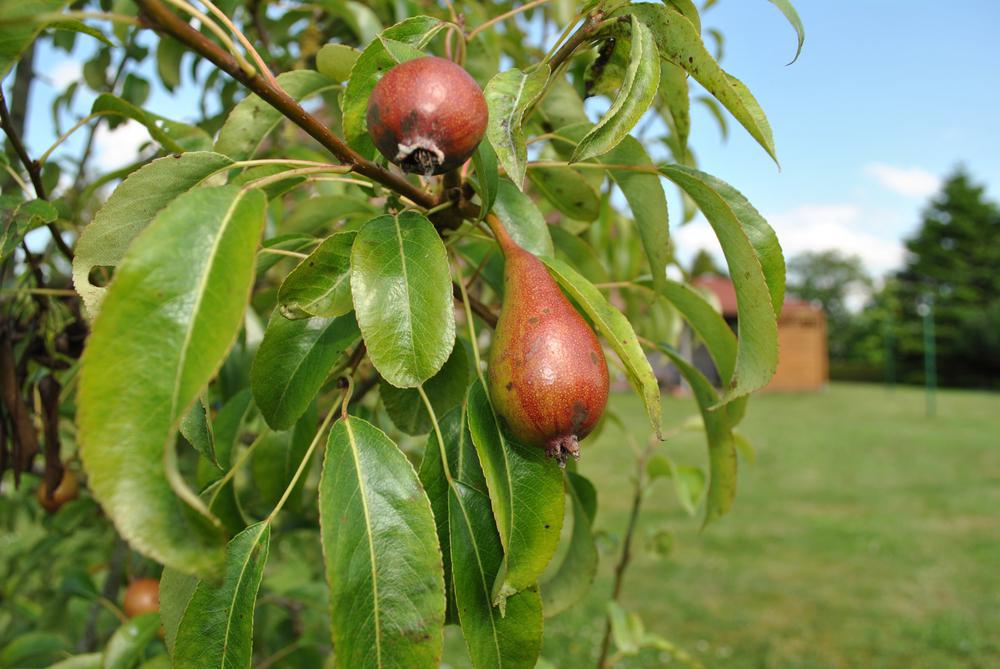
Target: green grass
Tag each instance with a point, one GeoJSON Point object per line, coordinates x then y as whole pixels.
{"type": "Point", "coordinates": [865, 534]}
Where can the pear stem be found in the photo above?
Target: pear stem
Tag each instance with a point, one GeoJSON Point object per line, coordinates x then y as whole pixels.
{"type": "Point", "coordinates": [506, 242]}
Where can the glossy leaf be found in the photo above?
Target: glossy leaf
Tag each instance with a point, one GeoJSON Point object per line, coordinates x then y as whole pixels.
{"type": "Point", "coordinates": [445, 390]}
{"type": "Point", "coordinates": [173, 136]}
{"type": "Point", "coordinates": [675, 94]}
{"type": "Point", "coordinates": [521, 218]}
{"type": "Point", "coordinates": [579, 254]}
{"type": "Point", "coordinates": [637, 92]}
{"type": "Point", "coordinates": [84, 661]}
{"type": "Point", "coordinates": [321, 284]}
{"type": "Point", "coordinates": [126, 645]}
{"type": "Point", "coordinates": [509, 636]}
{"type": "Point", "coordinates": [788, 10]}
{"type": "Point", "coordinates": [250, 121]}
{"type": "Point", "coordinates": [508, 96]}
{"type": "Point", "coordinates": [617, 331]}
{"type": "Point", "coordinates": [567, 191]}
{"type": "Point", "coordinates": [644, 194]}
{"type": "Point", "coordinates": [217, 627]}
{"type": "Point", "coordinates": [174, 309]}
{"type": "Point", "coordinates": [293, 361]}
{"type": "Point", "coordinates": [401, 286]}
{"type": "Point", "coordinates": [227, 425]}
{"type": "Point", "coordinates": [130, 209]}
{"type": "Point", "coordinates": [757, 267]}
{"type": "Point", "coordinates": [526, 493]}
{"type": "Point", "coordinates": [719, 434]}
{"type": "Point", "coordinates": [176, 589]}
{"type": "Point", "coordinates": [487, 180]}
{"type": "Point", "coordinates": [336, 60]}
{"type": "Point", "coordinates": [395, 45]}
{"type": "Point", "coordinates": [572, 580]}
{"type": "Point", "coordinates": [196, 429]}
{"type": "Point", "coordinates": [383, 562]}
{"type": "Point", "coordinates": [679, 42]}
{"type": "Point", "coordinates": [18, 30]}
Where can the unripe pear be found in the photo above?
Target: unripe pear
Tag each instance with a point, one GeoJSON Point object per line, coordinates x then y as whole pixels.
{"type": "Point", "coordinates": [547, 376]}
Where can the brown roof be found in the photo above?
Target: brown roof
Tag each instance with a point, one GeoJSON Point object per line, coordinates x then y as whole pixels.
{"type": "Point", "coordinates": [725, 292]}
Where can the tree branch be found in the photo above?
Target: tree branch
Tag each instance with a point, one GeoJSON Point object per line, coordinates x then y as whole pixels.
{"type": "Point", "coordinates": [156, 15]}
{"type": "Point", "coordinates": [478, 307]}
{"type": "Point", "coordinates": [34, 172]}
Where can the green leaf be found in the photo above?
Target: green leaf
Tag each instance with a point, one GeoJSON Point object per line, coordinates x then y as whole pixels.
{"type": "Point", "coordinates": [32, 648]}
{"type": "Point", "coordinates": [362, 21]}
{"type": "Point", "coordinates": [579, 254]}
{"type": "Point", "coordinates": [675, 94]}
{"type": "Point", "coordinates": [793, 17]}
{"type": "Point", "coordinates": [85, 661]}
{"type": "Point", "coordinates": [383, 563]}
{"type": "Point", "coordinates": [321, 284]}
{"type": "Point", "coordinates": [508, 96]}
{"type": "Point", "coordinates": [445, 390]}
{"type": "Point", "coordinates": [250, 122]}
{"type": "Point", "coordinates": [617, 331]}
{"type": "Point", "coordinates": [400, 43]}
{"type": "Point", "coordinates": [19, 30]}
{"type": "Point", "coordinates": [127, 644]}
{"type": "Point", "coordinates": [217, 627]}
{"type": "Point", "coordinates": [567, 191]}
{"type": "Point", "coordinates": [196, 429]}
{"type": "Point", "coordinates": [293, 361]}
{"type": "Point", "coordinates": [757, 267]}
{"type": "Point", "coordinates": [689, 482]}
{"type": "Point", "coordinates": [526, 492]}
{"type": "Point", "coordinates": [169, 54]}
{"type": "Point", "coordinates": [173, 136]}
{"type": "Point", "coordinates": [336, 60]}
{"type": "Point", "coordinates": [401, 285]}
{"type": "Point", "coordinates": [626, 629]}
{"type": "Point", "coordinates": [18, 218]}
{"type": "Point", "coordinates": [679, 43]}
{"type": "Point", "coordinates": [130, 209]}
{"type": "Point", "coordinates": [572, 580]}
{"type": "Point", "coordinates": [458, 446]}
{"type": "Point", "coordinates": [176, 589]}
{"type": "Point", "coordinates": [72, 25]}
{"type": "Point", "coordinates": [487, 179]}
{"type": "Point", "coordinates": [510, 636]}
{"type": "Point", "coordinates": [719, 434]}
{"type": "Point", "coordinates": [707, 323]}
{"type": "Point", "coordinates": [522, 219]}
{"type": "Point", "coordinates": [644, 194]}
{"type": "Point", "coordinates": [135, 89]}
{"type": "Point", "coordinates": [637, 92]}
{"type": "Point", "coordinates": [172, 313]}
{"type": "Point", "coordinates": [227, 425]}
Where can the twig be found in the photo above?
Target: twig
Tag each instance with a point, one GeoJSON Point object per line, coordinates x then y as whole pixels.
{"type": "Point", "coordinates": [34, 173]}
{"type": "Point", "coordinates": [159, 17]}
{"type": "Point", "coordinates": [638, 492]}
{"type": "Point", "coordinates": [481, 310]}
{"type": "Point", "coordinates": [504, 17]}
{"type": "Point", "coordinates": [589, 27]}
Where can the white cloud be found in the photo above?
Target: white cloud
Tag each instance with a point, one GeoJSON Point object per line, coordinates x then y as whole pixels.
{"type": "Point", "coordinates": [119, 147]}
{"type": "Point", "coordinates": [810, 227]}
{"type": "Point", "coordinates": [912, 181]}
{"type": "Point", "coordinates": [65, 73]}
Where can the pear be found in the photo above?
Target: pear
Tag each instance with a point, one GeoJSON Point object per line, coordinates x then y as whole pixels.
{"type": "Point", "coordinates": [547, 376]}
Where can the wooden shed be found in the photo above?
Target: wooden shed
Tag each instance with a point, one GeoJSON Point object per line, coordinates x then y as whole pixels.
{"type": "Point", "coordinates": [803, 359]}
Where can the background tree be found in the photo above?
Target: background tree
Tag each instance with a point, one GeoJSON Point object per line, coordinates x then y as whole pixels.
{"type": "Point", "coordinates": [832, 279]}
{"type": "Point", "coordinates": [703, 263]}
{"type": "Point", "coordinates": [953, 258]}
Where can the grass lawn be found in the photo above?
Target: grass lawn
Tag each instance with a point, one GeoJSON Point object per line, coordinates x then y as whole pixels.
{"type": "Point", "coordinates": [865, 535]}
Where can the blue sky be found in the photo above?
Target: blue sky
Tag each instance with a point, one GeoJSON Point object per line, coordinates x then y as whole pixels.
{"type": "Point", "coordinates": [885, 100]}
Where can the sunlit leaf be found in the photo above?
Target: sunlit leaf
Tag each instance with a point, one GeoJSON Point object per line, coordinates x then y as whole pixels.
{"type": "Point", "coordinates": [508, 96]}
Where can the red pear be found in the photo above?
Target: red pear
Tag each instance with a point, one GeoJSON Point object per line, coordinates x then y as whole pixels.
{"type": "Point", "coordinates": [548, 379]}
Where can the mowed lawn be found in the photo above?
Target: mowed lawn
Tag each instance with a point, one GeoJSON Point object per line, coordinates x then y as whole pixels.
{"type": "Point", "coordinates": [864, 535]}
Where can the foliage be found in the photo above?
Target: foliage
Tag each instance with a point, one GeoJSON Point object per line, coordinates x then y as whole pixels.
{"type": "Point", "coordinates": [254, 462]}
{"type": "Point", "coordinates": [952, 259]}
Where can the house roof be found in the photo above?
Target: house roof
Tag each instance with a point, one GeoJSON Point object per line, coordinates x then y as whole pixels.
{"type": "Point", "coordinates": [725, 292]}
